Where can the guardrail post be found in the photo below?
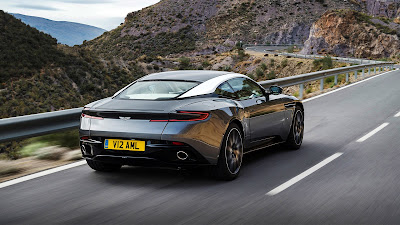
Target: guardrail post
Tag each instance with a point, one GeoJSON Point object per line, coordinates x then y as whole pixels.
{"type": "Point", "coordinates": [301, 91]}
{"type": "Point", "coordinates": [363, 74]}
{"type": "Point", "coordinates": [355, 74]}
{"type": "Point", "coordinates": [347, 77]}
{"type": "Point", "coordinates": [336, 79]}
{"type": "Point", "coordinates": [369, 71]}
{"type": "Point", "coordinates": [379, 69]}
{"type": "Point", "coordinates": [321, 87]}
{"type": "Point", "coordinates": [375, 70]}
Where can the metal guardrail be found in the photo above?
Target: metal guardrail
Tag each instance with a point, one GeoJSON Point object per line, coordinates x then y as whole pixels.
{"type": "Point", "coordinates": [320, 75]}
{"type": "Point", "coordinates": [339, 59]}
{"type": "Point", "coordinates": [21, 127]}
{"type": "Point", "coordinates": [16, 128]}
{"type": "Point", "coordinates": [280, 45]}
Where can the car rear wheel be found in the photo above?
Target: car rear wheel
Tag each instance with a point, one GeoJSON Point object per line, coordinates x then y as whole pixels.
{"type": "Point", "coordinates": [103, 167]}
{"type": "Point", "coordinates": [295, 138]}
{"type": "Point", "coordinates": [231, 154]}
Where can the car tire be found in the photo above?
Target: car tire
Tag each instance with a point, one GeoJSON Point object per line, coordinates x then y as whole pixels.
{"type": "Point", "coordinates": [103, 167]}
{"type": "Point", "coordinates": [295, 137]}
{"type": "Point", "coordinates": [231, 154]}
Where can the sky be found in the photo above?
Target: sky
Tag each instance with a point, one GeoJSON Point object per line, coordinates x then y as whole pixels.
{"type": "Point", "coordinates": [106, 14]}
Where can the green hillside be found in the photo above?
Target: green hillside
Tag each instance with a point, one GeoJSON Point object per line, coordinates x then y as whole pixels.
{"type": "Point", "coordinates": [37, 75]}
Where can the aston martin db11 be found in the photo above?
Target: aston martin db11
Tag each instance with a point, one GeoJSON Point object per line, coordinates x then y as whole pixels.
{"type": "Point", "coordinates": [189, 119]}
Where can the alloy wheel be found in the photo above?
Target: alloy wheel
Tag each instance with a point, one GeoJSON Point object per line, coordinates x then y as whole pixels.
{"type": "Point", "coordinates": [234, 151]}
{"type": "Point", "coordinates": [298, 128]}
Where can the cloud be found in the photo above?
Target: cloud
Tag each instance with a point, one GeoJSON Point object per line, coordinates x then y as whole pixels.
{"type": "Point", "coordinates": [36, 7]}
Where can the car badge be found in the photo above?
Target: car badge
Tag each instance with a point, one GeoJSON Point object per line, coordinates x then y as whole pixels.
{"type": "Point", "coordinates": [124, 118]}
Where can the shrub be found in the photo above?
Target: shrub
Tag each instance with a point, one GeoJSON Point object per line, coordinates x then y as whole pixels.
{"type": "Point", "coordinates": [290, 49]}
{"type": "Point", "coordinates": [184, 63]}
{"type": "Point", "coordinates": [272, 62]}
{"type": "Point", "coordinates": [323, 64]}
{"type": "Point", "coordinates": [206, 64]}
{"type": "Point", "coordinates": [263, 66]}
{"type": "Point", "coordinates": [241, 55]}
{"type": "Point", "coordinates": [329, 80]}
{"type": "Point", "coordinates": [259, 72]}
{"type": "Point", "coordinates": [271, 75]}
{"type": "Point", "coordinates": [284, 63]}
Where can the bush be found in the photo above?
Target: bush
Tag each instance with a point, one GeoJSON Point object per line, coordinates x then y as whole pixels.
{"type": "Point", "coordinates": [272, 62]}
{"type": "Point", "coordinates": [271, 75]}
{"type": "Point", "coordinates": [323, 64]}
{"type": "Point", "coordinates": [241, 55]}
{"type": "Point", "coordinates": [259, 72]}
{"type": "Point", "coordinates": [284, 63]}
{"type": "Point", "coordinates": [290, 49]}
{"type": "Point", "coordinates": [263, 66]}
{"type": "Point", "coordinates": [206, 64]}
{"type": "Point", "coordinates": [184, 63]}
{"type": "Point", "coordinates": [329, 80]}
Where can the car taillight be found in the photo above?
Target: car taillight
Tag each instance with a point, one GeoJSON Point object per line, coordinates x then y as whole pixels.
{"type": "Point", "coordinates": [91, 117]}
{"type": "Point", "coordinates": [190, 116]}
{"type": "Point", "coordinates": [177, 143]}
{"type": "Point", "coordinates": [181, 116]}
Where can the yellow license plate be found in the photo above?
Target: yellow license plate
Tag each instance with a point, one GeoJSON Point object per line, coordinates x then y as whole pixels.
{"type": "Point", "coordinates": [128, 145]}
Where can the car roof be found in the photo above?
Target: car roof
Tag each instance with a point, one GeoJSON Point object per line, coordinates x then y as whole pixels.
{"type": "Point", "coordinates": [187, 75]}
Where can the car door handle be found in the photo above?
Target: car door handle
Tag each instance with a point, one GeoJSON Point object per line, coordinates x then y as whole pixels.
{"type": "Point", "coordinates": [260, 101]}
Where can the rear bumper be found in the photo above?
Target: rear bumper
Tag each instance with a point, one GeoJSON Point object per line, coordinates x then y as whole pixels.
{"type": "Point", "coordinates": [204, 137]}
{"type": "Point", "coordinates": [154, 155]}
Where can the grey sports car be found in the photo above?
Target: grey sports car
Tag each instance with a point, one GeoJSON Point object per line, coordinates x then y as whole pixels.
{"type": "Point", "coordinates": [189, 119]}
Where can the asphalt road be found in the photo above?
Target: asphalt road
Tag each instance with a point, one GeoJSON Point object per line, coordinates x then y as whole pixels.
{"type": "Point", "coordinates": [272, 49]}
{"type": "Point", "coordinates": [360, 186]}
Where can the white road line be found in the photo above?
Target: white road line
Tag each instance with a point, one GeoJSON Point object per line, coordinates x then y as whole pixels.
{"type": "Point", "coordinates": [347, 86]}
{"type": "Point", "coordinates": [397, 115]}
{"type": "Point", "coordinates": [370, 134]}
{"type": "Point", "coordinates": [41, 174]}
{"type": "Point", "coordinates": [301, 176]}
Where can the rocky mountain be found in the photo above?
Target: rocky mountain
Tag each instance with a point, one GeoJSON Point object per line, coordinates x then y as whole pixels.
{"type": "Point", "coordinates": [384, 8]}
{"type": "Point", "coordinates": [183, 27]}
{"type": "Point", "coordinates": [205, 27]}
{"type": "Point", "coordinates": [68, 33]}
{"type": "Point", "coordinates": [352, 33]}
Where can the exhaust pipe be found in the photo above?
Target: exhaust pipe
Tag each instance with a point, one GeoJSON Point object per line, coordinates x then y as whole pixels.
{"type": "Point", "coordinates": [83, 149]}
{"type": "Point", "coordinates": [86, 150]}
{"type": "Point", "coordinates": [182, 155]}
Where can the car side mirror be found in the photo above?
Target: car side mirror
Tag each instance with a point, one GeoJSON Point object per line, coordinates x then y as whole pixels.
{"type": "Point", "coordinates": [275, 90]}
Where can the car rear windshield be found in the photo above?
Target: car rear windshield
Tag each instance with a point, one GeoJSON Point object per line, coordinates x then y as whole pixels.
{"type": "Point", "coordinates": [156, 90]}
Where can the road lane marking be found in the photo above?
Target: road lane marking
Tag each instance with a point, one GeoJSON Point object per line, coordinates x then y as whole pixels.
{"type": "Point", "coordinates": [397, 115]}
{"type": "Point", "coordinates": [347, 86]}
{"type": "Point", "coordinates": [303, 175]}
{"type": "Point", "coordinates": [41, 174]}
{"type": "Point", "coordinates": [370, 134]}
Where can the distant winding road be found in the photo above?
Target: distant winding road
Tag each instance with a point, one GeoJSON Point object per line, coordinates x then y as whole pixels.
{"type": "Point", "coordinates": [347, 171]}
